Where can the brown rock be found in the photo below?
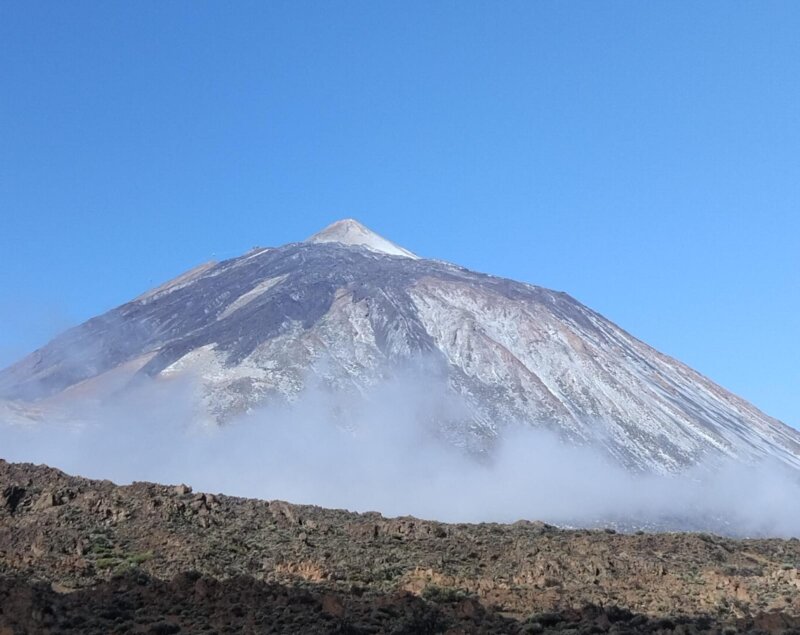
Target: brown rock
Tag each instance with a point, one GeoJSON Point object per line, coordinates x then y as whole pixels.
{"type": "Point", "coordinates": [332, 605]}
{"type": "Point", "coordinates": [45, 501]}
{"type": "Point", "coordinates": [468, 608]}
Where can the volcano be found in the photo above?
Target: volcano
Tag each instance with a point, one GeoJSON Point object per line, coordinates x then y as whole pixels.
{"type": "Point", "coordinates": [347, 308]}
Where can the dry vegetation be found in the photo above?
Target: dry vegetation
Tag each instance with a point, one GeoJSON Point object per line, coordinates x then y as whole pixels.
{"type": "Point", "coordinates": [88, 556]}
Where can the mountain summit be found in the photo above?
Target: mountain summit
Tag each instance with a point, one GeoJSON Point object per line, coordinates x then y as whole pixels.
{"type": "Point", "coordinates": [351, 232]}
{"type": "Point", "coordinates": [346, 308]}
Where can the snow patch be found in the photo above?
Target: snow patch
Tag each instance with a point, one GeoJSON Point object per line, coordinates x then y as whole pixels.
{"type": "Point", "coordinates": [351, 232]}
{"type": "Point", "coordinates": [251, 295]}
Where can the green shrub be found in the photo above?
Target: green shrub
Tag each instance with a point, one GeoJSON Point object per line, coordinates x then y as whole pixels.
{"type": "Point", "coordinates": [140, 558]}
{"type": "Point", "coordinates": [105, 563]}
{"type": "Point", "coordinates": [443, 595]}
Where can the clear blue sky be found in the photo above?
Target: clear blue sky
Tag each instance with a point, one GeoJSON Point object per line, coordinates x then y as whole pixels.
{"type": "Point", "coordinates": [642, 156]}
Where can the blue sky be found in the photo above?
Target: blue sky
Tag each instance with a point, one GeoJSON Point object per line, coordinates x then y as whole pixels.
{"type": "Point", "coordinates": [642, 156]}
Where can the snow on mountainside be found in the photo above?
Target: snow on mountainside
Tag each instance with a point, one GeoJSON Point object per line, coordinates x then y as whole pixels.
{"type": "Point", "coordinates": [346, 307]}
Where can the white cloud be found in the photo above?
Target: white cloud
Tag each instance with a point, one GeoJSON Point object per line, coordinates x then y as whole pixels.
{"type": "Point", "coordinates": [384, 452]}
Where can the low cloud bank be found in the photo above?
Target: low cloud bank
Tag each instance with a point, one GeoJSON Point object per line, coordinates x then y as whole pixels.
{"type": "Point", "coordinates": [382, 452]}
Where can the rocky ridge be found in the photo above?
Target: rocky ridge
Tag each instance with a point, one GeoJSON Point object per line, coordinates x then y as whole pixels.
{"type": "Point", "coordinates": [67, 541]}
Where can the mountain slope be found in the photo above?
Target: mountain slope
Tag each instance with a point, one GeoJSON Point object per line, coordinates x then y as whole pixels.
{"type": "Point", "coordinates": [347, 308]}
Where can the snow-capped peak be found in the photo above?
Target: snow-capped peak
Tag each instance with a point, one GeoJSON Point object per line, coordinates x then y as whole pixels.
{"type": "Point", "coordinates": [351, 232]}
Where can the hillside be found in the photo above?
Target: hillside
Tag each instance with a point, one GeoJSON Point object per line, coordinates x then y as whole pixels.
{"type": "Point", "coordinates": [167, 554]}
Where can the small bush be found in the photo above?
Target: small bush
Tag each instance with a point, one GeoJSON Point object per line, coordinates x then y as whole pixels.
{"type": "Point", "coordinates": [140, 558]}
{"type": "Point", "coordinates": [105, 563]}
{"type": "Point", "coordinates": [442, 595]}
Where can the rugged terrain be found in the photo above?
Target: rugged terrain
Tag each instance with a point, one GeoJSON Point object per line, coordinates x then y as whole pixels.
{"type": "Point", "coordinates": [346, 309]}
{"type": "Point", "coordinates": [91, 557]}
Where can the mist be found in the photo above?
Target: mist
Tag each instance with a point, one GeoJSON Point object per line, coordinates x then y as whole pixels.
{"type": "Point", "coordinates": [390, 450]}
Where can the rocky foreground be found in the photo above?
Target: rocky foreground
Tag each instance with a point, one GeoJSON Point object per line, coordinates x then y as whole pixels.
{"type": "Point", "coordinates": [82, 556]}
